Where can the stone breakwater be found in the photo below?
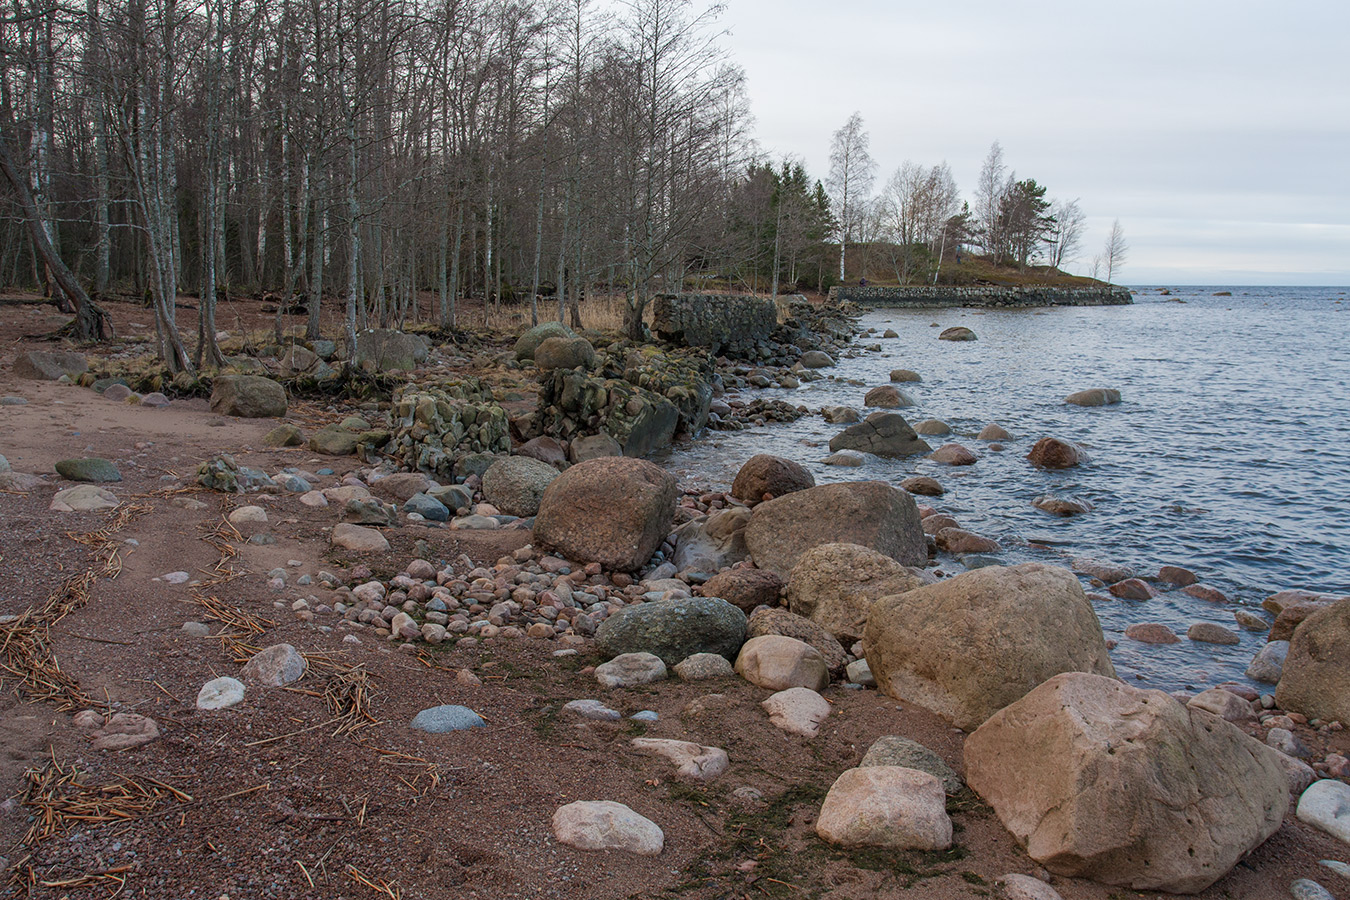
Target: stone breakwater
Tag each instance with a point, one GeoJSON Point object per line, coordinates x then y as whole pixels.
{"type": "Point", "coordinates": [990, 296]}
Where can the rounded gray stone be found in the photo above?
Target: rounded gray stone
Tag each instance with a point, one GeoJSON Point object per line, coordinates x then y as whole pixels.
{"type": "Point", "coordinates": [446, 718]}
{"type": "Point", "coordinates": [674, 629]}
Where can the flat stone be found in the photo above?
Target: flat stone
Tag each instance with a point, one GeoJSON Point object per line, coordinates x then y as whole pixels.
{"type": "Point", "coordinates": [797, 710]}
{"type": "Point", "coordinates": [277, 665]}
{"type": "Point", "coordinates": [630, 670]}
{"type": "Point", "coordinates": [593, 710]}
{"type": "Point", "coordinates": [606, 825]}
{"type": "Point", "coordinates": [84, 498]}
{"type": "Point", "coordinates": [220, 693]}
{"type": "Point", "coordinates": [446, 718]}
{"type": "Point", "coordinates": [359, 539]}
{"type": "Point", "coordinates": [1151, 633]}
{"type": "Point", "coordinates": [690, 759]}
{"type": "Point", "coordinates": [125, 731]}
{"type": "Point", "coordinates": [1209, 633]}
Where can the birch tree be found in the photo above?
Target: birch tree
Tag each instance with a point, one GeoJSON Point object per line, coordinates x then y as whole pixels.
{"type": "Point", "coordinates": [852, 172]}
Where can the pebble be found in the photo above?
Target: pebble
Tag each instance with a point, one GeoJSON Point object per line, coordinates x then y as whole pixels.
{"type": "Point", "coordinates": [702, 666]}
{"type": "Point", "coordinates": [196, 629]}
{"type": "Point", "coordinates": [277, 665]}
{"type": "Point", "coordinates": [1337, 866]}
{"type": "Point", "coordinates": [646, 715]}
{"type": "Point", "coordinates": [631, 670]}
{"type": "Point", "coordinates": [174, 577]}
{"type": "Point", "coordinates": [446, 718]}
{"type": "Point", "coordinates": [606, 825]}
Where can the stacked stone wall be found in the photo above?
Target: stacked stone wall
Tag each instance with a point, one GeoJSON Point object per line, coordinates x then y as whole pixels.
{"type": "Point", "coordinates": [982, 296]}
{"type": "Point", "coordinates": [723, 324]}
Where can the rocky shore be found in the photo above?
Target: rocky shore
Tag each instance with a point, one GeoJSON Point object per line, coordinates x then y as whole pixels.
{"type": "Point", "coordinates": [557, 659]}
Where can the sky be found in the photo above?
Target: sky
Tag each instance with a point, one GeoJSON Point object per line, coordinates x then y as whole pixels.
{"type": "Point", "coordinates": [1218, 133]}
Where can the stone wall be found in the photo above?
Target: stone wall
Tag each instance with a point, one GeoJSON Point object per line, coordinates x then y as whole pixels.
{"type": "Point", "coordinates": [723, 324]}
{"type": "Point", "coordinates": [982, 295]}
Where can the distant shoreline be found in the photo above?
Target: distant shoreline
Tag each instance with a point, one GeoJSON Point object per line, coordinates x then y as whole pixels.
{"type": "Point", "coordinates": [991, 296]}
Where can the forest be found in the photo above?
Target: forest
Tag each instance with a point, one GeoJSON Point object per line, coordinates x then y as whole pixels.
{"type": "Point", "coordinates": [394, 157]}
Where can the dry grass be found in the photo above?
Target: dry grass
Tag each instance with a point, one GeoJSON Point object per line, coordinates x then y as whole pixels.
{"type": "Point", "coordinates": [58, 800]}
{"type": "Point", "coordinates": [26, 646]}
{"type": "Point", "coordinates": [348, 694]}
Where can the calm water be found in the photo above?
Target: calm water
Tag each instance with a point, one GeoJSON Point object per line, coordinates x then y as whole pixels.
{"type": "Point", "coordinates": [1230, 454]}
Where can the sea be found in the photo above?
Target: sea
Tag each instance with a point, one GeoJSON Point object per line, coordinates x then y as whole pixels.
{"type": "Point", "coordinates": [1229, 454]}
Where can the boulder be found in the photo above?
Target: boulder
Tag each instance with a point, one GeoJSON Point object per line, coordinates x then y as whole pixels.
{"type": "Point", "coordinates": [359, 539]}
{"type": "Point", "coordinates": [1061, 506]}
{"type": "Point", "coordinates": [960, 542]}
{"type": "Point", "coordinates": [1290, 617]}
{"type": "Point", "coordinates": [427, 507]}
{"type": "Point", "coordinates": [248, 397]}
{"type": "Point", "coordinates": [957, 333]}
{"type": "Point", "coordinates": [1224, 704]}
{"type": "Point", "coordinates": [85, 498]}
{"type": "Point", "coordinates": [564, 353]}
{"type": "Point", "coordinates": [778, 663]}
{"type": "Point", "coordinates": [615, 511]}
{"type": "Point", "coordinates": [702, 666]}
{"type": "Point", "coordinates": [712, 544]}
{"type": "Point", "coordinates": [1094, 397]}
{"type": "Point", "coordinates": [1326, 806]}
{"type": "Point", "coordinates": [953, 455]}
{"type": "Point", "coordinates": [883, 434]}
{"type": "Point", "coordinates": [745, 588]}
{"type": "Point", "coordinates": [334, 440]}
{"type": "Point", "coordinates": [275, 666]}
{"type": "Point", "coordinates": [887, 397]}
{"type": "Point", "coordinates": [91, 469]}
{"type": "Point", "coordinates": [904, 375]}
{"type": "Point", "coordinates": [968, 646]}
{"type": "Point", "coordinates": [923, 485]}
{"type": "Point", "coordinates": [1268, 665]}
{"type": "Point", "coordinates": [515, 484]}
{"type": "Point", "coordinates": [870, 513]}
{"type": "Point", "coordinates": [528, 342]}
{"type": "Point", "coordinates": [886, 806]}
{"type": "Point", "coordinates": [1209, 633]}
{"type": "Point", "coordinates": [993, 432]}
{"type": "Point", "coordinates": [797, 710]}
{"type": "Point", "coordinates": [892, 750]}
{"type": "Point", "coordinates": [1052, 453]}
{"type": "Point", "coordinates": [631, 670]}
{"type": "Point", "coordinates": [49, 365]}
{"type": "Point", "coordinates": [593, 446]}
{"type": "Point", "coordinates": [548, 450]}
{"type": "Point", "coordinates": [674, 629]}
{"type": "Point", "coordinates": [297, 359]}
{"type": "Point", "coordinates": [1133, 589]}
{"type": "Point", "coordinates": [764, 477]}
{"type": "Point", "coordinates": [385, 350]}
{"type": "Point", "coordinates": [836, 584]}
{"type": "Point", "coordinates": [933, 428]}
{"type": "Point", "coordinates": [817, 359]}
{"type": "Point", "coordinates": [1316, 679]}
{"type": "Point", "coordinates": [287, 435]}
{"type": "Point", "coordinates": [605, 825]}
{"type": "Point", "coordinates": [400, 486]}
{"type": "Point", "coordinates": [839, 415]}
{"type": "Point", "coordinates": [1100, 780]}
{"type": "Point", "coordinates": [770, 621]}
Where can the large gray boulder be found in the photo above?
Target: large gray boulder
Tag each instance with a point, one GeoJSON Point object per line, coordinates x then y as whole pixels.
{"type": "Point", "coordinates": [836, 585]}
{"type": "Point", "coordinates": [1316, 676]}
{"type": "Point", "coordinates": [674, 629]}
{"type": "Point", "coordinates": [883, 434]}
{"type": "Point", "coordinates": [385, 350]}
{"type": "Point", "coordinates": [870, 513]}
{"type": "Point", "coordinates": [614, 510]}
{"type": "Point", "coordinates": [49, 365]}
{"type": "Point", "coordinates": [968, 646]}
{"type": "Point", "coordinates": [515, 484]}
{"type": "Point", "coordinates": [1100, 780]}
{"type": "Point", "coordinates": [248, 397]}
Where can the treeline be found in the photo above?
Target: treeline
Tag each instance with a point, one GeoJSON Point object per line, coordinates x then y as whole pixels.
{"type": "Point", "coordinates": [362, 153]}
{"type": "Point", "coordinates": [372, 149]}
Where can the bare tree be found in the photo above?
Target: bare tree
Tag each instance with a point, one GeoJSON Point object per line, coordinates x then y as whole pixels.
{"type": "Point", "coordinates": [852, 171]}
{"type": "Point", "coordinates": [990, 190]}
{"type": "Point", "coordinates": [1066, 234]}
{"type": "Point", "coordinates": [1116, 250]}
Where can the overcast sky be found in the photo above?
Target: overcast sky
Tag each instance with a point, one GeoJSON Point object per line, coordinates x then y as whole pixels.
{"type": "Point", "coordinates": [1219, 133]}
